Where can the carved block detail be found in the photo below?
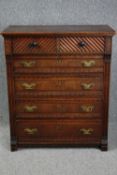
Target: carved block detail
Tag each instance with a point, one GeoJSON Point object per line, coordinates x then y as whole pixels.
{"type": "Point", "coordinates": [107, 58]}
{"type": "Point", "coordinates": [13, 144]}
{"type": "Point", "coordinates": [104, 145]}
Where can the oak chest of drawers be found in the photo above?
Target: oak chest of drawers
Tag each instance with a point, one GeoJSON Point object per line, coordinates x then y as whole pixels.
{"type": "Point", "coordinates": [58, 84]}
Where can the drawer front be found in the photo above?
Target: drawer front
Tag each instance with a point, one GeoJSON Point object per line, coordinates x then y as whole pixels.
{"type": "Point", "coordinates": [59, 84]}
{"type": "Point", "coordinates": [64, 130]}
{"type": "Point", "coordinates": [61, 108]}
{"type": "Point", "coordinates": [35, 45]}
{"type": "Point", "coordinates": [82, 45]}
{"type": "Point", "coordinates": [58, 64]}
{"type": "Point", "coordinates": [63, 45]}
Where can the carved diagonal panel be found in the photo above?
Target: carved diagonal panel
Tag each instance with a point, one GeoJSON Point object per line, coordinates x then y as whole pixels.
{"type": "Point", "coordinates": [43, 45]}
{"type": "Point", "coordinates": [91, 45]}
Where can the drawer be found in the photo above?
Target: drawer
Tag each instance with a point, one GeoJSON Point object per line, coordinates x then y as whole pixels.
{"type": "Point", "coordinates": [61, 64]}
{"type": "Point", "coordinates": [60, 108]}
{"type": "Point", "coordinates": [81, 45]}
{"type": "Point", "coordinates": [34, 45]}
{"type": "Point", "coordinates": [56, 84]}
{"type": "Point", "coordinates": [62, 45]}
{"type": "Point", "coordinates": [58, 130]}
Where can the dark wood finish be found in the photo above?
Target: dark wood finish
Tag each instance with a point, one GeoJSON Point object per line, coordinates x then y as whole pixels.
{"type": "Point", "coordinates": [100, 30]}
{"type": "Point", "coordinates": [61, 131]}
{"type": "Point", "coordinates": [34, 45]}
{"type": "Point", "coordinates": [83, 107]}
{"type": "Point", "coordinates": [59, 45]}
{"type": "Point", "coordinates": [58, 84]}
{"type": "Point", "coordinates": [81, 45]}
{"type": "Point", "coordinates": [58, 64]}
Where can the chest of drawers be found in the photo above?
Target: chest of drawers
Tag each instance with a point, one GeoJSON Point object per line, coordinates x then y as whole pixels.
{"type": "Point", "coordinates": [58, 85]}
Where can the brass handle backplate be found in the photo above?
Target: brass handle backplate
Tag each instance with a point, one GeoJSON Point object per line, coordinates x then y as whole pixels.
{"type": "Point", "coordinates": [87, 108]}
{"type": "Point", "coordinates": [87, 86]}
{"type": "Point", "coordinates": [28, 64]}
{"type": "Point", "coordinates": [88, 63]}
{"type": "Point", "coordinates": [85, 131]}
{"type": "Point", "coordinates": [29, 86]}
{"type": "Point", "coordinates": [31, 131]}
{"type": "Point", "coordinates": [30, 108]}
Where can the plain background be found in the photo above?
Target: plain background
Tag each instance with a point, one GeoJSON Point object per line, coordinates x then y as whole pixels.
{"type": "Point", "coordinates": [25, 12]}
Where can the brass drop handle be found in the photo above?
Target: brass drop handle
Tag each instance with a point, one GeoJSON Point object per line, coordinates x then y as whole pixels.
{"type": "Point", "coordinates": [30, 108]}
{"type": "Point", "coordinates": [28, 64]}
{"type": "Point", "coordinates": [88, 63]}
{"type": "Point", "coordinates": [87, 108]}
{"type": "Point", "coordinates": [29, 86]}
{"type": "Point", "coordinates": [85, 131]}
{"type": "Point", "coordinates": [87, 86]}
{"type": "Point", "coordinates": [31, 131]}
{"type": "Point", "coordinates": [33, 45]}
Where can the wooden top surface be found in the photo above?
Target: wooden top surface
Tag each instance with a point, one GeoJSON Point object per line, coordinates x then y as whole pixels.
{"type": "Point", "coordinates": [59, 29]}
